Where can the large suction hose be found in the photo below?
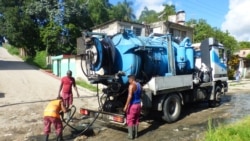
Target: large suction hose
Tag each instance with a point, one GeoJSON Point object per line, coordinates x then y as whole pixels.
{"type": "Point", "coordinates": [73, 110]}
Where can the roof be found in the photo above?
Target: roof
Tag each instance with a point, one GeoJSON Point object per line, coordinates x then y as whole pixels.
{"type": "Point", "coordinates": [168, 23]}
{"type": "Point", "coordinates": [112, 21]}
{"type": "Point", "coordinates": [176, 24]}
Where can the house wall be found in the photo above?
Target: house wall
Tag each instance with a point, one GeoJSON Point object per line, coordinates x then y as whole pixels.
{"type": "Point", "coordinates": [244, 52]}
{"type": "Point", "coordinates": [61, 65]}
{"type": "Point", "coordinates": [175, 29]}
{"type": "Point", "coordinates": [158, 27]}
{"type": "Point", "coordinates": [117, 26]}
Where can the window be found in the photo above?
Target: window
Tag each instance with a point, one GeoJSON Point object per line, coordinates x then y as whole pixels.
{"type": "Point", "coordinates": [137, 31]}
{"type": "Point", "coordinates": [183, 34]}
{"type": "Point", "coordinates": [171, 31]}
{"type": "Point", "coordinates": [222, 55]}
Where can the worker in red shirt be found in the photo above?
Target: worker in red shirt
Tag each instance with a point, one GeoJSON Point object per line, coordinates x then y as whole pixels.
{"type": "Point", "coordinates": [65, 90]}
{"type": "Point", "coordinates": [52, 116]}
{"type": "Point", "coordinates": [133, 107]}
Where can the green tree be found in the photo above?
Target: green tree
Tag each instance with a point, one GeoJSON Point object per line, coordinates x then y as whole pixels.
{"type": "Point", "coordinates": [129, 15]}
{"type": "Point", "coordinates": [148, 16]}
{"type": "Point", "coordinates": [122, 11]}
{"type": "Point", "coordinates": [98, 10]}
{"type": "Point", "coordinates": [244, 45]}
{"type": "Point", "coordinates": [59, 30]}
{"type": "Point", "coordinates": [203, 30]}
{"type": "Point", "coordinates": [17, 26]}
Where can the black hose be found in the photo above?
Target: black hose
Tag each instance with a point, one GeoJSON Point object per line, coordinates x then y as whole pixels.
{"type": "Point", "coordinates": [100, 108]}
{"type": "Point", "coordinates": [71, 116]}
{"type": "Point", "coordinates": [82, 67]}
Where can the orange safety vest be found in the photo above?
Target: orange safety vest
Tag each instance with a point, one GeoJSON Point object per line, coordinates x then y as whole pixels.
{"type": "Point", "coordinates": [53, 109]}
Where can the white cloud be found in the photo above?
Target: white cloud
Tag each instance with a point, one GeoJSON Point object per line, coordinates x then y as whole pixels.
{"type": "Point", "coordinates": [156, 5]}
{"type": "Point", "coordinates": [237, 20]}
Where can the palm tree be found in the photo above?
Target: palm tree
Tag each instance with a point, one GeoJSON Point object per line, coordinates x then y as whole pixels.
{"type": "Point", "coordinates": [128, 15]}
{"type": "Point", "coordinates": [168, 10]}
{"type": "Point", "coordinates": [123, 11]}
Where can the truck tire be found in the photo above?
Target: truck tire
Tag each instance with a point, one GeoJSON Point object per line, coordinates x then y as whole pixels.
{"type": "Point", "coordinates": [217, 98]}
{"type": "Point", "coordinates": [171, 108]}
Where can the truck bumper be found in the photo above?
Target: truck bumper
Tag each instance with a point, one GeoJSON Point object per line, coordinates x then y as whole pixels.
{"type": "Point", "coordinates": [114, 118]}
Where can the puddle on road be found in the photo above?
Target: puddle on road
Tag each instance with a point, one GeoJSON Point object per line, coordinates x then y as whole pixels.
{"type": "Point", "coordinates": [236, 107]}
{"type": "Point", "coordinates": [240, 107]}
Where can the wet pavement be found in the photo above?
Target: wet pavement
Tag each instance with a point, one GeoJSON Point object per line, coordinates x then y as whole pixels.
{"type": "Point", "coordinates": [192, 125]}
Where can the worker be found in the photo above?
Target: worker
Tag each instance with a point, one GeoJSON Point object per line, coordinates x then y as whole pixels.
{"type": "Point", "coordinates": [52, 116]}
{"type": "Point", "coordinates": [65, 90]}
{"type": "Point", "coordinates": [132, 107]}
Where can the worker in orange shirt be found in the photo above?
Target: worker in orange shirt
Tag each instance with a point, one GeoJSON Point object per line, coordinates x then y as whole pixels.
{"type": "Point", "coordinates": [52, 116]}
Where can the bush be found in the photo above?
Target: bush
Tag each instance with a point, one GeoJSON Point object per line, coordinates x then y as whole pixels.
{"type": "Point", "coordinates": [12, 50]}
{"type": "Point", "coordinates": [231, 73]}
{"type": "Point", "coordinates": [40, 59]}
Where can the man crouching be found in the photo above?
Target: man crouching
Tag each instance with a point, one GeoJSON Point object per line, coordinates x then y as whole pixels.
{"type": "Point", "coordinates": [52, 116]}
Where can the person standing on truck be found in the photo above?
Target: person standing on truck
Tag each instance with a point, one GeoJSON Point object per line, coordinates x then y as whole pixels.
{"type": "Point", "coordinates": [52, 116]}
{"type": "Point", "coordinates": [133, 107]}
{"type": "Point", "coordinates": [65, 90]}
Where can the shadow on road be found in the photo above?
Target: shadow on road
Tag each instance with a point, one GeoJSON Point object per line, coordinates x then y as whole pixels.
{"type": "Point", "coordinates": [15, 65]}
{"type": "Point", "coordinates": [30, 102]}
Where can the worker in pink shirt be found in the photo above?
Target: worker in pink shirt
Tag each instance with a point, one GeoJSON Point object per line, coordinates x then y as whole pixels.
{"type": "Point", "coordinates": [65, 90]}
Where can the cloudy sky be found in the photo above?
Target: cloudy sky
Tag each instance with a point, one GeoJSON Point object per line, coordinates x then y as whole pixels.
{"type": "Point", "coordinates": [231, 15]}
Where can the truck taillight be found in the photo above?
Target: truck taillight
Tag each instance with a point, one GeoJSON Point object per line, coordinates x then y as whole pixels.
{"type": "Point", "coordinates": [84, 112]}
{"type": "Point", "coordinates": [118, 119]}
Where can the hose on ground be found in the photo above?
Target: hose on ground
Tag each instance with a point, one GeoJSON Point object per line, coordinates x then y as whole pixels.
{"type": "Point", "coordinates": [73, 110]}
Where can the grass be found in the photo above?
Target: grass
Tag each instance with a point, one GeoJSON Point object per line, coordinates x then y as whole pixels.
{"type": "Point", "coordinates": [86, 85]}
{"type": "Point", "coordinates": [39, 60]}
{"type": "Point", "coordinates": [239, 131]}
{"type": "Point", "coordinates": [12, 50]}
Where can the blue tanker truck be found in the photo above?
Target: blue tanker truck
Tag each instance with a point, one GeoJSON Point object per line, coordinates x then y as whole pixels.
{"type": "Point", "coordinates": [171, 72]}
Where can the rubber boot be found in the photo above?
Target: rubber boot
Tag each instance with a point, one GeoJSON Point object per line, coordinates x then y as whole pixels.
{"type": "Point", "coordinates": [60, 137]}
{"type": "Point", "coordinates": [136, 127]}
{"type": "Point", "coordinates": [46, 138]}
{"type": "Point", "coordinates": [130, 132]}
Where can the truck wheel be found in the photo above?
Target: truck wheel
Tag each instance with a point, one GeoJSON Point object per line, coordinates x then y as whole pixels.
{"type": "Point", "coordinates": [217, 98]}
{"type": "Point", "coordinates": [171, 108]}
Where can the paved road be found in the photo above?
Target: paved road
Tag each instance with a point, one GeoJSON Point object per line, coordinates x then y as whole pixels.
{"type": "Point", "coordinates": [23, 90]}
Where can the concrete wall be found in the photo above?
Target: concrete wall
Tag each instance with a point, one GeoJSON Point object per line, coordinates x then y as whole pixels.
{"type": "Point", "coordinates": [78, 70]}
{"type": "Point", "coordinates": [109, 29]}
{"type": "Point", "coordinates": [61, 65]}
{"type": "Point", "coordinates": [117, 26]}
{"type": "Point", "coordinates": [162, 27]}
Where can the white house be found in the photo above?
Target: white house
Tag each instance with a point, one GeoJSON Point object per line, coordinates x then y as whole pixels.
{"type": "Point", "coordinates": [115, 26]}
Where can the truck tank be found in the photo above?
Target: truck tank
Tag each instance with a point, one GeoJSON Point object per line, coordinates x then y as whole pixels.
{"type": "Point", "coordinates": [145, 57]}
